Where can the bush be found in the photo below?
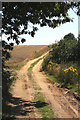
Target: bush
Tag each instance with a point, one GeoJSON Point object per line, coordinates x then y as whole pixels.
{"type": "Point", "coordinates": [65, 53]}
{"type": "Point", "coordinates": [66, 49]}
{"type": "Point", "coordinates": [45, 62]}
{"type": "Point", "coordinates": [69, 76]}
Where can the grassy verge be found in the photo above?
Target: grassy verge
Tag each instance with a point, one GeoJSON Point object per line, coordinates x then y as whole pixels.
{"type": "Point", "coordinates": [41, 105]}
{"type": "Point", "coordinates": [65, 80]}
{"type": "Point", "coordinates": [50, 76]}
{"type": "Point", "coordinates": [29, 73]}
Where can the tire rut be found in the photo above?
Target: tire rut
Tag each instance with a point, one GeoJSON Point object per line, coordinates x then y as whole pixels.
{"type": "Point", "coordinates": [21, 103]}
{"type": "Point", "coordinates": [59, 103]}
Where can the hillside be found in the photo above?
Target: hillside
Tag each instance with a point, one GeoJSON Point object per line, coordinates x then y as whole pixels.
{"type": "Point", "coordinates": [22, 53]}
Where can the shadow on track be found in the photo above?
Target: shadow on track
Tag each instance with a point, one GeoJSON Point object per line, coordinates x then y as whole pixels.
{"type": "Point", "coordinates": [19, 107]}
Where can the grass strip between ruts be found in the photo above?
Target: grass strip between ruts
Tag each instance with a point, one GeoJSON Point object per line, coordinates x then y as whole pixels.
{"type": "Point", "coordinates": [41, 105]}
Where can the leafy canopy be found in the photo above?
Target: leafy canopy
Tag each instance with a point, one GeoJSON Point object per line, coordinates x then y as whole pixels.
{"type": "Point", "coordinates": [17, 14]}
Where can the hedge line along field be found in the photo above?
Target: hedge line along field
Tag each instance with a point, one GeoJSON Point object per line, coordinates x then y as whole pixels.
{"type": "Point", "coordinates": [63, 62]}
{"type": "Point", "coordinates": [22, 53]}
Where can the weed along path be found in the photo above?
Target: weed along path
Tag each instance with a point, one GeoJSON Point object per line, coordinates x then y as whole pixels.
{"type": "Point", "coordinates": [21, 103]}
{"type": "Point", "coordinates": [53, 96]}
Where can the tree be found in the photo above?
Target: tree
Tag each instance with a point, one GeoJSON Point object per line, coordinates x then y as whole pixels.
{"type": "Point", "coordinates": [16, 14]}
{"type": "Point", "coordinates": [69, 36]}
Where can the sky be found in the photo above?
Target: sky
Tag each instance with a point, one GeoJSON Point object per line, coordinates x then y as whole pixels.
{"type": "Point", "coordinates": [47, 35]}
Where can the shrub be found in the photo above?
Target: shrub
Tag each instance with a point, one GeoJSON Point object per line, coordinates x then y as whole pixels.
{"type": "Point", "coordinates": [68, 76]}
{"type": "Point", "coordinates": [51, 67]}
{"type": "Point", "coordinates": [64, 54]}
{"type": "Point", "coordinates": [66, 49]}
{"type": "Point", "coordinates": [45, 62]}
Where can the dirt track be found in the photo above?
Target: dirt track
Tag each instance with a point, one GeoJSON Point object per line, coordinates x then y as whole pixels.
{"type": "Point", "coordinates": [22, 104]}
{"type": "Point", "coordinates": [23, 92]}
{"type": "Point", "coordinates": [53, 95]}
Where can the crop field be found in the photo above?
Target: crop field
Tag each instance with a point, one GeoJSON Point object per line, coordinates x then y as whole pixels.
{"type": "Point", "coordinates": [22, 53]}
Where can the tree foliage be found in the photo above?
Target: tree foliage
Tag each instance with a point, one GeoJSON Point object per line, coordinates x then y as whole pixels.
{"type": "Point", "coordinates": [65, 50]}
{"type": "Point", "coordinates": [16, 14]}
